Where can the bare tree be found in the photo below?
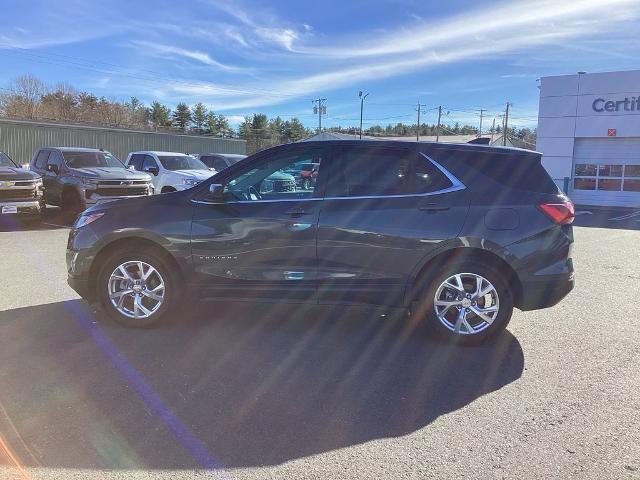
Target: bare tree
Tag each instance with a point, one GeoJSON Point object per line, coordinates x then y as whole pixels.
{"type": "Point", "coordinates": [24, 97]}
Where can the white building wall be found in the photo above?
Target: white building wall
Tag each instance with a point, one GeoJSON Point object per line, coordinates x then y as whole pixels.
{"type": "Point", "coordinates": [566, 113]}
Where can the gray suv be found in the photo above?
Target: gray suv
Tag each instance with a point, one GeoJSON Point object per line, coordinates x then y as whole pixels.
{"type": "Point", "coordinates": [75, 178]}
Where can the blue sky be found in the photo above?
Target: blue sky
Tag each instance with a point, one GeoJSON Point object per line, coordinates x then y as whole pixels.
{"type": "Point", "coordinates": [241, 57]}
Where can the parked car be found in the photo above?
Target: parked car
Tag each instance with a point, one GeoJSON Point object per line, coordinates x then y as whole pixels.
{"type": "Point", "coordinates": [75, 178]}
{"type": "Point", "coordinates": [278, 181]}
{"type": "Point", "coordinates": [170, 171]}
{"type": "Point", "coordinates": [20, 190]}
{"type": "Point", "coordinates": [220, 161]}
{"type": "Point", "coordinates": [457, 234]}
{"type": "Point", "coordinates": [305, 174]}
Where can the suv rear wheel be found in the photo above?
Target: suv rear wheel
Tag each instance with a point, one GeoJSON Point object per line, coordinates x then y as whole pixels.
{"type": "Point", "coordinates": [136, 288]}
{"type": "Point", "coordinates": [467, 302]}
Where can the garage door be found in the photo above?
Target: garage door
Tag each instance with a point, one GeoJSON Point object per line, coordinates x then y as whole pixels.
{"type": "Point", "coordinates": [606, 171]}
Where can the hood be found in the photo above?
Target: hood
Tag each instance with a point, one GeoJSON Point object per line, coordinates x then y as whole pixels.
{"type": "Point", "coordinates": [15, 173]}
{"type": "Point", "coordinates": [197, 174]}
{"type": "Point", "coordinates": [110, 173]}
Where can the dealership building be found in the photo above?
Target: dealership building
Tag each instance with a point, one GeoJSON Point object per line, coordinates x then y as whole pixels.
{"type": "Point", "coordinates": [589, 135]}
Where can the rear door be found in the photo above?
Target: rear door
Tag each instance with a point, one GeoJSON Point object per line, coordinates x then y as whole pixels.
{"type": "Point", "coordinates": [384, 210]}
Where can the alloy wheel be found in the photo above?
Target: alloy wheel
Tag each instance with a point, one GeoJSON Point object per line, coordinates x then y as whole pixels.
{"type": "Point", "coordinates": [466, 303]}
{"type": "Point", "coordinates": [136, 289]}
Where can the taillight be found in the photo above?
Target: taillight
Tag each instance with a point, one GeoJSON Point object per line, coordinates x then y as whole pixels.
{"type": "Point", "coordinates": [560, 213]}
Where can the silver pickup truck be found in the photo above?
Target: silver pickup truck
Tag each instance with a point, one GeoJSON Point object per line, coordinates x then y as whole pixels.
{"type": "Point", "coordinates": [20, 191]}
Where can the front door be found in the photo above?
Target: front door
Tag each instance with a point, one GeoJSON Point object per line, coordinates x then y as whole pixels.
{"type": "Point", "coordinates": [50, 181]}
{"type": "Point", "coordinates": [384, 210]}
{"type": "Point", "coordinates": [260, 241]}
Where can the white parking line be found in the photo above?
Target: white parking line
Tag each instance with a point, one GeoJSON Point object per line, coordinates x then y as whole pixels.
{"type": "Point", "coordinates": [627, 216]}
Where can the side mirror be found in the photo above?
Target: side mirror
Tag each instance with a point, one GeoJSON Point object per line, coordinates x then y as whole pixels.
{"type": "Point", "coordinates": [53, 168]}
{"type": "Point", "coordinates": [131, 167]}
{"type": "Point", "coordinates": [152, 170]}
{"type": "Point", "coordinates": [216, 193]}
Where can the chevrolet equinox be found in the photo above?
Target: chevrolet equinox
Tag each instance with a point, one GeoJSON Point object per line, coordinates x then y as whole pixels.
{"type": "Point", "coordinates": [458, 235]}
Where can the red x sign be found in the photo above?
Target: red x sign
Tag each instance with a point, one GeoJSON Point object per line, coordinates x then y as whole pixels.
{"type": "Point", "coordinates": [611, 132]}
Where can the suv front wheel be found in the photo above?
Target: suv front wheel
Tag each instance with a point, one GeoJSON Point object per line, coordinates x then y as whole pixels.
{"type": "Point", "coordinates": [137, 289]}
{"type": "Point", "coordinates": [466, 303]}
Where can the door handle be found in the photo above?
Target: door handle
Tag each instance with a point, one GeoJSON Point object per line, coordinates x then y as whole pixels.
{"type": "Point", "coordinates": [296, 212]}
{"type": "Point", "coordinates": [433, 207]}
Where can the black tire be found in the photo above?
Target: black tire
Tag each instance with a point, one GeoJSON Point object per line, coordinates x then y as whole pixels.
{"type": "Point", "coordinates": [172, 293]}
{"type": "Point", "coordinates": [424, 309]}
{"type": "Point", "coordinates": [168, 190]}
{"type": "Point", "coordinates": [72, 205]}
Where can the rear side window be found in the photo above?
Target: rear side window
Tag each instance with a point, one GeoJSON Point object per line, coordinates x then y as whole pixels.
{"type": "Point", "coordinates": [519, 171]}
{"type": "Point", "coordinates": [373, 171]}
{"type": "Point", "coordinates": [41, 159]}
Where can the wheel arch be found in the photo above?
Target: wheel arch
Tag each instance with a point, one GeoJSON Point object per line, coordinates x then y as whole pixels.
{"type": "Point", "coordinates": [491, 257]}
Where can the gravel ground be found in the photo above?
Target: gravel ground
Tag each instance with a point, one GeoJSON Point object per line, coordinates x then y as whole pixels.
{"type": "Point", "coordinates": [277, 391]}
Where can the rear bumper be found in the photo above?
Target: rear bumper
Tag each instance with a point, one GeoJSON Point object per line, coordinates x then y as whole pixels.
{"type": "Point", "coordinates": [546, 292]}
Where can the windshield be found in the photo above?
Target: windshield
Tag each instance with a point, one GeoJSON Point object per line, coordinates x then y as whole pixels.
{"type": "Point", "coordinates": [182, 162]}
{"type": "Point", "coordinates": [91, 159]}
{"type": "Point", "coordinates": [5, 161]}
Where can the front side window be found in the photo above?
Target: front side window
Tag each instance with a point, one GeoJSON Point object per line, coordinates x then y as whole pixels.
{"type": "Point", "coordinates": [148, 163]}
{"type": "Point", "coordinates": [41, 159]}
{"type": "Point", "coordinates": [91, 159]}
{"type": "Point", "coordinates": [136, 161]}
{"type": "Point", "coordinates": [181, 162]}
{"type": "Point", "coordinates": [5, 161]}
{"type": "Point", "coordinates": [55, 159]}
{"type": "Point", "coordinates": [372, 171]}
{"type": "Point", "coordinates": [268, 179]}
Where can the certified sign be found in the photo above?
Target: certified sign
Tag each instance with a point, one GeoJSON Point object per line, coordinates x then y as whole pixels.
{"type": "Point", "coordinates": [611, 132]}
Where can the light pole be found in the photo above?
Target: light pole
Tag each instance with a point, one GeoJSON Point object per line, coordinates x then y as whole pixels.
{"type": "Point", "coordinates": [362, 96]}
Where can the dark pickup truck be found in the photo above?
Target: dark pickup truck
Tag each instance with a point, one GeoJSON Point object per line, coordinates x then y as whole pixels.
{"type": "Point", "coordinates": [76, 178]}
{"type": "Point", "coordinates": [20, 191]}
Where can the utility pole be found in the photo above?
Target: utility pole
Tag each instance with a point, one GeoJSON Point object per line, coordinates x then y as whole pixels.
{"type": "Point", "coordinates": [438, 127]}
{"type": "Point", "coordinates": [480, 129]}
{"type": "Point", "coordinates": [320, 109]}
{"type": "Point", "coordinates": [418, 129]}
{"type": "Point", "coordinates": [493, 128]}
{"type": "Point", "coordinates": [362, 96]}
{"type": "Point", "coordinates": [506, 126]}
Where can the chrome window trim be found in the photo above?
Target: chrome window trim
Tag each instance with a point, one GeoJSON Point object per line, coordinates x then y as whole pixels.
{"type": "Point", "coordinates": [456, 185]}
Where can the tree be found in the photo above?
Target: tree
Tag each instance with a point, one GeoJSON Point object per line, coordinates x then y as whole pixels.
{"type": "Point", "coordinates": [24, 97]}
{"type": "Point", "coordinates": [199, 115]}
{"type": "Point", "coordinates": [182, 116]}
{"type": "Point", "coordinates": [160, 115]}
{"type": "Point", "coordinates": [61, 103]}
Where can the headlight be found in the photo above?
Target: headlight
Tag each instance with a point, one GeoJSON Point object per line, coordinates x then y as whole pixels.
{"type": "Point", "coordinates": [87, 219]}
{"type": "Point", "coordinates": [89, 182]}
{"type": "Point", "coordinates": [192, 182]}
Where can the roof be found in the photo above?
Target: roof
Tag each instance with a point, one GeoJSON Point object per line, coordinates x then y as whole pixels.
{"type": "Point", "coordinates": [325, 136]}
{"type": "Point", "coordinates": [420, 145]}
{"type": "Point", "coordinates": [156, 152]}
{"type": "Point", "coordinates": [77, 149]}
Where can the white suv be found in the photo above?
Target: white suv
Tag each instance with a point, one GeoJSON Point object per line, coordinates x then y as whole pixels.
{"type": "Point", "coordinates": [170, 171]}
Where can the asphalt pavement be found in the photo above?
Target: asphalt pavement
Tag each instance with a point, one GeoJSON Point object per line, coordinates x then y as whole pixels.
{"type": "Point", "coordinates": [284, 391]}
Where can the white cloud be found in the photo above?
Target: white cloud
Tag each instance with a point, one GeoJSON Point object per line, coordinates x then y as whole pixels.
{"type": "Point", "coordinates": [202, 57]}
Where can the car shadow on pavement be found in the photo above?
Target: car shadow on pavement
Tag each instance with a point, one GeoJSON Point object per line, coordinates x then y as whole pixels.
{"type": "Point", "coordinates": [227, 385]}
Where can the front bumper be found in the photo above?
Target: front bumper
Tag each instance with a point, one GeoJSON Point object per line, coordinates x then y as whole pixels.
{"type": "Point", "coordinates": [29, 207]}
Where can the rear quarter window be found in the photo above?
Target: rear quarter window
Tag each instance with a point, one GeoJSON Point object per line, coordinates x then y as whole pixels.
{"type": "Point", "coordinates": [518, 171]}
